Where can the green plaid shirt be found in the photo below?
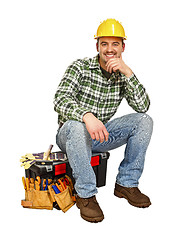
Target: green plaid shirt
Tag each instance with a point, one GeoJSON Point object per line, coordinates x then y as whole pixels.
{"type": "Point", "coordinates": [84, 88]}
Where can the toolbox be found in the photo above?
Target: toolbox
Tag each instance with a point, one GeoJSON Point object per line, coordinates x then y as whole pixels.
{"type": "Point", "coordinates": [48, 180]}
{"type": "Point", "coordinates": [60, 167]}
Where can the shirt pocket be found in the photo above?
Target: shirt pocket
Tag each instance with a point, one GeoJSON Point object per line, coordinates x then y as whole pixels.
{"type": "Point", "coordinates": [115, 94]}
{"type": "Point", "coordinates": [87, 96]}
{"type": "Point", "coordinates": [84, 89]}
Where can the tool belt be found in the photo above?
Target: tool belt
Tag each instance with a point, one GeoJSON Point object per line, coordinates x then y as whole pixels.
{"type": "Point", "coordinates": [48, 193]}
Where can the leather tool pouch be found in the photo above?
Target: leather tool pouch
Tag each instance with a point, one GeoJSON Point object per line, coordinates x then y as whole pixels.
{"type": "Point", "coordinates": [37, 199]}
{"type": "Point", "coordinates": [64, 200]}
{"type": "Point", "coordinates": [42, 200]}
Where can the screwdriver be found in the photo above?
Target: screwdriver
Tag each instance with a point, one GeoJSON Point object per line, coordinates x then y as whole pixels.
{"type": "Point", "coordinates": [24, 182]}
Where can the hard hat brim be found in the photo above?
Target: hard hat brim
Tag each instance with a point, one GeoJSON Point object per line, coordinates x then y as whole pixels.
{"type": "Point", "coordinates": [96, 37]}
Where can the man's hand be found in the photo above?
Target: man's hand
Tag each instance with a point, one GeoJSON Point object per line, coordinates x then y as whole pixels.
{"type": "Point", "coordinates": [115, 64]}
{"type": "Point", "coordinates": [95, 127]}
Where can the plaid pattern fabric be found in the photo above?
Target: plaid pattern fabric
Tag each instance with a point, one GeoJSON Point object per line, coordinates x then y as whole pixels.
{"type": "Point", "coordinates": [84, 88]}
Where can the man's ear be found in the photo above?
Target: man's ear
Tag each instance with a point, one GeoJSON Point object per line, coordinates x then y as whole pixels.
{"type": "Point", "coordinates": [123, 47]}
{"type": "Point", "coordinates": [97, 47]}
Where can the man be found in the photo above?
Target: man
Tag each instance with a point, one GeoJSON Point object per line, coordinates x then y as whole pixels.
{"type": "Point", "coordinates": [87, 97]}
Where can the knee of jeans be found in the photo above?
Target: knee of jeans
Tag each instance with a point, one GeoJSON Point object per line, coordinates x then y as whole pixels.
{"type": "Point", "coordinates": [75, 129]}
{"type": "Point", "coordinates": [146, 121]}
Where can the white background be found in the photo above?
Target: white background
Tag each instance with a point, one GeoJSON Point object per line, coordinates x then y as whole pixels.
{"type": "Point", "coordinates": [39, 39]}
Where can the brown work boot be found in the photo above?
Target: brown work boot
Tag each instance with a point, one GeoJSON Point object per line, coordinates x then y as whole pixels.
{"type": "Point", "coordinates": [89, 209]}
{"type": "Point", "coordinates": [133, 196]}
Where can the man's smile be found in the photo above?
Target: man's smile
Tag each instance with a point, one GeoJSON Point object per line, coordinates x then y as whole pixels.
{"type": "Point", "coordinates": [110, 55]}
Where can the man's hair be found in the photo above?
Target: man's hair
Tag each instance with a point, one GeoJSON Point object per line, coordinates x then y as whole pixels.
{"type": "Point", "coordinates": [122, 41]}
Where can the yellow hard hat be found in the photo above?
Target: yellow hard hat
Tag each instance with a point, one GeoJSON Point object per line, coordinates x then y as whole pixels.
{"type": "Point", "coordinates": [110, 28]}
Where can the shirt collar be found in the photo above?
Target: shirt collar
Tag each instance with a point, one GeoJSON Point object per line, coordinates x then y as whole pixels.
{"type": "Point", "coordinates": [95, 63]}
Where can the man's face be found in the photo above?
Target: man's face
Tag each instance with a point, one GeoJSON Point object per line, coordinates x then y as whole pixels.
{"type": "Point", "coordinates": [109, 47]}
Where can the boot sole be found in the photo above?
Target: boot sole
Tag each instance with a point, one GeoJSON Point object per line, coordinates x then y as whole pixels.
{"type": "Point", "coordinates": [139, 205]}
{"type": "Point", "coordinates": [92, 220]}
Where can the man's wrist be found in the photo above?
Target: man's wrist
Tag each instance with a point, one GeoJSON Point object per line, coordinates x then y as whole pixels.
{"type": "Point", "coordinates": [129, 73]}
{"type": "Point", "coordinates": [86, 116]}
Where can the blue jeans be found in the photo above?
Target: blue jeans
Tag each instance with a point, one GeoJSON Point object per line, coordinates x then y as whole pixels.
{"type": "Point", "coordinates": [134, 130]}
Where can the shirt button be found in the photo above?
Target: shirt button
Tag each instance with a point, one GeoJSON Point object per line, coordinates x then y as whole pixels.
{"type": "Point", "coordinates": [109, 82]}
